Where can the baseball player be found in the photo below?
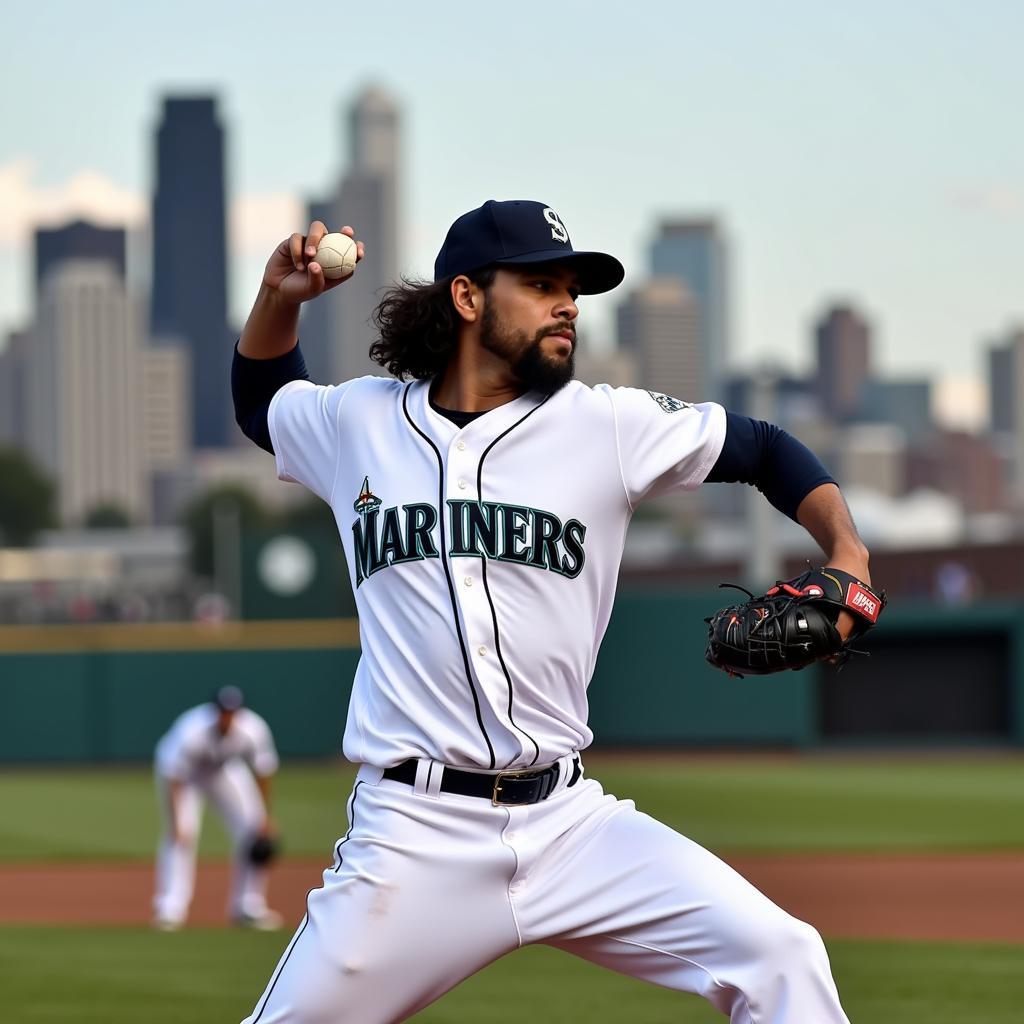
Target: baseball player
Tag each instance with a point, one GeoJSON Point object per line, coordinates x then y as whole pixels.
{"type": "Point", "coordinates": [483, 497]}
{"type": "Point", "coordinates": [224, 752]}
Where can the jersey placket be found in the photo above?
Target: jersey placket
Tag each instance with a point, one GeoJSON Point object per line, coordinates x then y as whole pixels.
{"type": "Point", "coordinates": [474, 608]}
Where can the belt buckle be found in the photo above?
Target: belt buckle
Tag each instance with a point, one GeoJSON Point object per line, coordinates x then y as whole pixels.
{"type": "Point", "coordinates": [497, 784]}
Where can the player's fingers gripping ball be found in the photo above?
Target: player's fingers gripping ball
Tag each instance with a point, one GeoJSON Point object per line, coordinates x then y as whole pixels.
{"type": "Point", "coordinates": [264, 850]}
{"type": "Point", "coordinates": [336, 255]}
{"type": "Point", "coordinates": [792, 625]}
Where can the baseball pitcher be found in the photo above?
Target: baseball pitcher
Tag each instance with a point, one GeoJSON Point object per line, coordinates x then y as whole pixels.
{"type": "Point", "coordinates": [483, 497]}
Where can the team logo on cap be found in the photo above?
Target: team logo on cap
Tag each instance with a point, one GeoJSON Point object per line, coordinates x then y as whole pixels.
{"type": "Point", "coordinates": [558, 232]}
{"type": "Point", "coordinates": [668, 403]}
{"type": "Point", "coordinates": [367, 500]}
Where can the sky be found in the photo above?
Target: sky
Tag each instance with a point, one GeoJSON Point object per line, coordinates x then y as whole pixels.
{"type": "Point", "coordinates": [868, 153]}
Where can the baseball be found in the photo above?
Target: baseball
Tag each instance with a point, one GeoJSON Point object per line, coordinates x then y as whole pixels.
{"type": "Point", "coordinates": [336, 255]}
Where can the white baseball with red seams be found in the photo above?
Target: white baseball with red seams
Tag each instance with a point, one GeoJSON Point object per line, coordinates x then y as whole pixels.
{"type": "Point", "coordinates": [336, 255]}
{"type": "Point", "coordinates": [484, 562]}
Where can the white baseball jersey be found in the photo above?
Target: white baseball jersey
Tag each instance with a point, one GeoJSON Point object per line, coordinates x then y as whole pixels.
{"type": "Point", "coordinates": [192, 750]}
{"type": "Point", "coordinates": [484, 559]}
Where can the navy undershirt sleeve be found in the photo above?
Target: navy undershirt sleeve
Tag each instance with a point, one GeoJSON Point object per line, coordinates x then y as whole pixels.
{"type": "Point", "coordinates": [254, 382]}
{"type": "Point", "coordinates": [783, 469]}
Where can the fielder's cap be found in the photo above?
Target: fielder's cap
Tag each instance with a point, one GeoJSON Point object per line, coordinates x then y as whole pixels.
{"type": "Point", "coordinates": [229, 698]}
{"type": "Point", "coordinates": [519, 232]}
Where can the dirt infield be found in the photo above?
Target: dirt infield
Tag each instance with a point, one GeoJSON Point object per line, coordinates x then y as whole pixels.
{"type": "Point", "coordinates": [969, 897]}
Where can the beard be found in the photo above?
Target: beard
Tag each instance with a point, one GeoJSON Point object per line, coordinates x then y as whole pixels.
{"type": "Point", "coordinates": [528, 363]}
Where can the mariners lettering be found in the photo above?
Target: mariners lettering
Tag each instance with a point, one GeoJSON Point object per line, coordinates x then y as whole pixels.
{"type": "Point", "coordinates": [503, 533]}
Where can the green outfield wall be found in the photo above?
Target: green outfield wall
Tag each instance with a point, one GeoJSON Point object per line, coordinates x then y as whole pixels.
{"type": "Point", "coordinates": [106, 693]}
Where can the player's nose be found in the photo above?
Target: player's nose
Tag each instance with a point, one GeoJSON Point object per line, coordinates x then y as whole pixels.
{"type": "Point", "coordinates": [566, 308]}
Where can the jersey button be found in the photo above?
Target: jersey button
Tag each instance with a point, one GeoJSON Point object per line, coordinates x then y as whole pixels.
{"type": "Point", "coordinates": [468, 581]}
{"type": "Point", "coordinates": [482, 651]}
{"type": "Point", "coordinates": [461, 445]}
{"type": "Point", "coordinates": [462, 485]}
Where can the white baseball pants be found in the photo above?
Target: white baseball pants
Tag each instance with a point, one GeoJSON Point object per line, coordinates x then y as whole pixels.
{"type": "Point", "coordinates": [234, 794]}
{"type": "Point", "coordinates": [427, 888]}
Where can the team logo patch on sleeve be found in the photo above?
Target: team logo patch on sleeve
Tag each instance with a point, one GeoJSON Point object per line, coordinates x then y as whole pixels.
{"type": "Point", "coordinates": [668, 403]}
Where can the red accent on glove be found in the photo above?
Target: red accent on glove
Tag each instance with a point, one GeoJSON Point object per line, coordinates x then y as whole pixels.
{"type": "Point", "coordinates": [863, 602]}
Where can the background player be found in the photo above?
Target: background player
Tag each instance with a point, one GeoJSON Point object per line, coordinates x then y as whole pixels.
{"type": "Point", "coordinates": [224, 752]}
{"type": "Point", "coordinates": [483, 507]}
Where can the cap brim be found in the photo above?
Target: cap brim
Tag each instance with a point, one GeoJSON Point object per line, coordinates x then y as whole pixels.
{"type": "Point", "coordinates": [597, 271]}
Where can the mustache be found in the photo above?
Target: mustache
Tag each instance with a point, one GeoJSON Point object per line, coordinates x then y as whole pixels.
{"type": "Point", "coordinates": [567, 328]}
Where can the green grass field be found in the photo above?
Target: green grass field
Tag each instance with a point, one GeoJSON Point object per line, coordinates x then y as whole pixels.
{"type": "Point", "coordinates": [800, 804]}
{"type": "Point", "coordinates": [125, 976]}
{"type": "Point", "coordinates": [117, 976]}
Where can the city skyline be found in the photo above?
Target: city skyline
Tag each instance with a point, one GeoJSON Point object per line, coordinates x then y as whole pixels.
{"type": "Point", "coordinates": [862, 157]}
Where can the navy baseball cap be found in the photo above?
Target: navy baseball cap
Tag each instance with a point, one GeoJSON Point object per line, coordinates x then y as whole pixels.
{"type": "Point", "coordinates": [229, 698]}
{"type": "Point", "coordinates": [519, 232]}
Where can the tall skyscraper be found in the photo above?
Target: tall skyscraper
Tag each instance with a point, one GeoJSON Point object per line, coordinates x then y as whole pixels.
{"type": "Point", "coordinates": [843, 339]}
{"type": "Point", "coordinates": [1006, 403]}
{"type": "Point", "coordinates": [78, 240]}
{"type": "Point", "coordinates": [695, 252]}
{"type": "Point", "coordinates": [82, 383]}
{"type": "Point", "coordinates": [335, 331]}
{"type": "Point", "coordinates": [189, 287]}
{"type": "Point", "coordinates": [12, 389]}
{"type": "Point", "coordinates": [1005, 380]}
{"type": "Point", "coordinates": [165, 416]}
{"type": "Point", "coordinates": [659, 324]}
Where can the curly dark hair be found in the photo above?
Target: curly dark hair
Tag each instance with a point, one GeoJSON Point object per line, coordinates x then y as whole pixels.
{"type": "Point", "coordinates": [418, 326]}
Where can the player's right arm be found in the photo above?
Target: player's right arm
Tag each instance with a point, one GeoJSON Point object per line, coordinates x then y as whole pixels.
{"type": "Point", "coordinates": [267, 355]}
{"type": "Point", "coordinates": [292, 276]}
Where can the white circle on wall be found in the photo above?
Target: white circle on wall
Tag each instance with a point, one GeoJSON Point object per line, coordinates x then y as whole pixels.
{"type": "Point", "coordinates": [287, 566]}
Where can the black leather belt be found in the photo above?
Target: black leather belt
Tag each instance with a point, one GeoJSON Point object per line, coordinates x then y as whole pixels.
{"type": "Point", "coordinates": [511, 787]}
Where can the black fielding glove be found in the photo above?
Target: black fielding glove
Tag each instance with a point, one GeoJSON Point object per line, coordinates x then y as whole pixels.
{"type": "Point", "coordinates": [793, 625]}
{"type": "Point", "coordinates": [264, 850]}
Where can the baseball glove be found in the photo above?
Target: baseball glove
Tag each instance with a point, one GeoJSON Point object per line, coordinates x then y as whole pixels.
{"type": "Point", "coordinates": [793, 625]}
{"type": "Point", "coordinates": [264, 849]}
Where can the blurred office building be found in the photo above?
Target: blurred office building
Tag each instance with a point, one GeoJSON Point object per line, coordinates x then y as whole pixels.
{"type": "Point", "coordinates": [616, 367]}
{"type": "Point", "coordinates": [872, 457]}
{"type": "Point", "coordinates": [1006, 404]}
{"type": "Point", "coordinates": [165, 426]}
{"type": "Point", "coordinates": [905, 403]}
{"type": "Point", "coordinates": [843, 341]}
{"type": "Point", "coordinates": [79, 240]}
{"type": "Point", "coordinates": [695, 252]}
{"type": "Point", "coordinates": [189, 279]}
{"type": "Point", "coordinates": [12, 389]}
{"type": "Point", "coordinates": [336, 332]}
{"type": "Point", "coordinates": [969, 468]}
{"type": "Point", "coordinates": [659, 328]}
{"type": "Point", "coordinates": [82, 410]}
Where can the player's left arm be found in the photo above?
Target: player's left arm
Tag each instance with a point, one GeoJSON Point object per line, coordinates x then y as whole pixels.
{"type": "Point", "coordinates": [794, 480]}
{"type": "Point", "coordinates": [264, 784]}
{"type": "Point", "coordinates": [825, 515]}
{"type": "Point", "coordinates": [264, 762]}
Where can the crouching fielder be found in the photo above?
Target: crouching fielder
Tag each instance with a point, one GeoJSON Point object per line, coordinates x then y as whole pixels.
{"type": "Point", "coordinates": [223, 752]}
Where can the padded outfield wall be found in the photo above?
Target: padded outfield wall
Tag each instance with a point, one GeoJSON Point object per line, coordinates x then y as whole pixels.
{"type": "Point", "coordinates": [106, 693]}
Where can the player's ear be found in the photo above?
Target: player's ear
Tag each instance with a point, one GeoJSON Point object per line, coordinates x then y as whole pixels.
{"type": "Point", "coordinates": [467, 299]}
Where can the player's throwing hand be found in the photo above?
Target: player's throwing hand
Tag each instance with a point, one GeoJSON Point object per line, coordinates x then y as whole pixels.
{"type": "Point", "coordinates": [292, 270]}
